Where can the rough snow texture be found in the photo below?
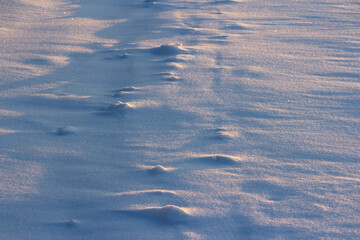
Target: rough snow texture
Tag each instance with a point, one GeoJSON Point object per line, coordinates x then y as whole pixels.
{"type": "Point", "coordinates": [179, 119]}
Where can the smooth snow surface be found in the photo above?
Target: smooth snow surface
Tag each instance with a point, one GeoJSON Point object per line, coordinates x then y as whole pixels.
{"type": "Point", "coordinates": [169, 119]}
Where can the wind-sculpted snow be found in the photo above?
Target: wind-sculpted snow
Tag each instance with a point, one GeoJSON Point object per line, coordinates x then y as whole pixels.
{"type": "Point", "coordinates": [220, 159]}
{"type": "Point", "coordinates": [169, 119]}
{"type": "Point", "coordinates": [118, 107]}
{"type": "Point", "coordinates": [224, 134]}
{"type": "Point", "coordinates": [71, 223]}
{"type": "Point", "coordinates": [169, 214]}
{"type": "Point", "coordinates": [127, 89]}
{"type": "Point", "coordinates": [159, 169]}
{"type": "Point", "coordinates": [169, 49]}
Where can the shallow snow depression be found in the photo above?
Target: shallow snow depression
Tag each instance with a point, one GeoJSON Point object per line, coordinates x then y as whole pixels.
{"type": "Point", "coordinates": [179, 119]}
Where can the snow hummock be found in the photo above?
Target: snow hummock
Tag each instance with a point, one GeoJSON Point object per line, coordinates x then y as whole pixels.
{"type": "Point", "coordinates": [169, 49]}
{"type": "Point", "coordinates": [220, 159]}
{"type": "Point", "coordinates": [72, 223]}
{"type": "Point", "coordinates": [159, 169]}
{"type": "Point", "coordinates": [169, 214]}
{"type": "Point", "coordinates": [126, 90]}
{"type": "Point", "coordinates": [118, 107]}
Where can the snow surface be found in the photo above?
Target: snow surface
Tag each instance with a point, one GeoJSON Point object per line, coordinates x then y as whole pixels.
{"type": "Point", "coordinates": [169, 119]}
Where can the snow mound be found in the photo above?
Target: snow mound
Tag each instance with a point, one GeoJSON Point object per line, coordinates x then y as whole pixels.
{"type": "Point", "coordinates": [169, 76]}
{"type": "Point", "coordinates": [171, 49]}
{"type": "Point", "coordinates": [170, 214]}
{"type": "Point", "coordinates": [223, 133]}
{"type": "Point", "coordinates": [127, 89]}
{"type": "Point", "coordinates": [124, 90]}
{"type": "Point", "coordinates": [158, 169]}
{"type": "Point", "coordinates": [65, 131]}
{"type": "Point", "coordinates": [220, 159]}
{"type": "Point", "coordinates": [118, 107]}
{"type": "Point", "coordinates": [71, 223]}
{"type": "Point", "coordinates": [172, 78]}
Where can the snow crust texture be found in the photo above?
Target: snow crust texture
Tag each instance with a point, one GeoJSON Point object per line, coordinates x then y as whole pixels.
{"type": "Point", "coordinates": [179, 119]}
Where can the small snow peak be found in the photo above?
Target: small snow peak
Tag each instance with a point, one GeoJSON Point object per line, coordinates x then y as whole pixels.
{"type": "Point", "coordinates": [168, 49]}
{"type": "Point", "coordinates": [118, 107]}
{"type": "Point", "coordinates": [158, 169]}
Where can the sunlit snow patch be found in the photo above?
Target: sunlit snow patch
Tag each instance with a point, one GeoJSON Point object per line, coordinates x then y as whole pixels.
{"type": "Point", "coordinates": [6, 131]}
{"type": "Point", "coordinates": [18, 179]}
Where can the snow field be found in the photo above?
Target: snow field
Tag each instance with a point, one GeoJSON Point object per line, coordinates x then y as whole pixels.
{"type": "Point", "coordinates": [180, 120]}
